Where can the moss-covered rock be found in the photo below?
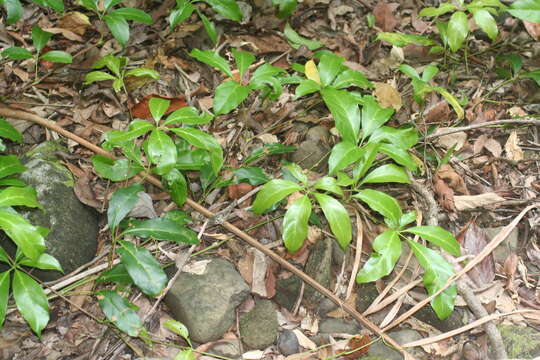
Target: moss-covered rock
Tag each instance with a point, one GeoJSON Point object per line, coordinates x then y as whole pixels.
{"type": "Point", "coordinates": [520, 342]}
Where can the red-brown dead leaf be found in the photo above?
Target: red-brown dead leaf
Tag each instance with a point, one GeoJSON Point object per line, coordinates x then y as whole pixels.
{"type": "Point", "coordinates": [438, 113]}
{"type": "Point", "coordinates": [473, 240]}
{"type": "Point", "coordinates": [384, 15]}
{"type": "Point", "coordinates": [510, 268]}
{"type": "Point", "coordinates": [456, 182]}
{"type": "Point", "coordinates": [237, 191]}
{"type": "Point", "coordinates": [75, 22]}
{"type": "Point", "coordinates": [46, 64]}
{"type": "Point", "coordinates": [533, 29]}
{"type": "Point", "coordinates": [445, 195]}
{"type": "Point", "coordinates": [142, 111]}
{"type": "Point", "coordinates": [359, 342]}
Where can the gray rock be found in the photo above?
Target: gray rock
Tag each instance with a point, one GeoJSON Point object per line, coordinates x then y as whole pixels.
{"type": "Point", "coordinates": [401, 336]}
{"type": "Point", "coordinates": [339, 326]}
{"type": "Point", "coordinates": [229, 349]}
{"type": "Point", "coordinates": [205, 303]}
{"type": "Point", "coordinates": [338, 255]}
{"type": "Point", "coordinates": [287, 291]}
{"type": "Point", "coordinates": [326, 306]}
{"type": "Point", "coordinates": [507, 247]}
{"type": "Point", "coordinates": [72, 239]}
{"type": "Point", "coordinates": [288, 343]}
{"type": "Point", "coordinates": [319, 267]}
{"type": "Point", "coordinates": [520, 342]}
{"type": "Point", "coordinates": [259, 327]}
{"type": "Point", "coordinates": [312, 153]}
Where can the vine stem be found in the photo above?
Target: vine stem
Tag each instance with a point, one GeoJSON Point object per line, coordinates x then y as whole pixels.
{"type": "Point", "coordinates": [23, 115]}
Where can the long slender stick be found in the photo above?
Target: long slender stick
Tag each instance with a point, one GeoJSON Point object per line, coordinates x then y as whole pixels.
{"type": "Point", "coordinates": [22, 115]}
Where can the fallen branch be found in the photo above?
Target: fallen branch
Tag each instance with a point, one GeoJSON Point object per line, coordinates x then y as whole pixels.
{"type": "Point", "coordinates": [22, 115]}
{"type": "Point", "coordinates": [482, 125]}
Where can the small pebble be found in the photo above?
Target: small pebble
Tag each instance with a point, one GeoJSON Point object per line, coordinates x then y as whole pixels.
{"type": "Point", "coordinates": [288, 343]}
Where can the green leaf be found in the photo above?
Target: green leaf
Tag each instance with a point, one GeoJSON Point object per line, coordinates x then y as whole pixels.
{"type": "Point", "coordinates": [437, 271]}
{"type": "Point", "coordinates": [56, 5]}
{"type": "Point", "coordinates": [373, 116]}
{"type": "Point", "coordinates": [337, 217]}
{"type": "Point", "coordinates": [40, 38]}
{"type": "Point", "coordinates": [135, 129]}
{"type": "Point", "coordinates": [177, 186]}
{"type": "Point", "coordinates": [133, 14]}
{"type": "Point", "coordinates": [295, 223]}
{"type": "Point", "coordinates": [387, 173]}
{"type": "Point", "coordinates": [342, 155]}
{"type": "Point", "coordinates": [228, 96]}
{"type": "Point", "coordinates": [297, 172]}
{"type": "Point", "coordinates": [4, 295]}
{"type": "Point", "coordinates": [407, 218]}
{"type": "Point", "coordinates": [94, 76]}
{"type": "Point", "coordinates": [118, 310]}
{"type": "Point", "coordinates": [404, 138]}
{"type": "Point", "coordinates": [204, 141]}
{"type": "Point", "coordinates": [329, 67]}
{"type": "Point", "coordinates": [122, 202]}
{"type": "Point", "coordinates": [429, 72]}
{"type": "Point", "coordinates": [438, 236]}
{"type": "Point", "coordinates": [9, 165]}
{"type": "Point", "coordinates": [226, 8]}
{"type": "Point", "coordinates": [213, 59]}
{"type": "Point", "coordinates": [188, 115]}
{"type": "Point", "coordinates": [44, 262]}
{"type": "Point", "coordinates": [297, 40]}
{"type": "Point", "coordinates": [486, 22]}
{"type": "Point", "coordinates": [183, 10]}
{"type": "Point", "coordinates": [382, 203]}
{"type": "Point", "coordinates": [243, 60]}
{"type": "Point", "coordinates": [434, 12]}
{"type": "Point", "coordinates": [516, 62]}
{"type": "Point", "coordinates": [345, 111]}
{"type": "Point", "coordinates": [185, 355]}
{"type": "Point", "coordinates": [306, 87]}
{"type": "Point", "coordinates": [143, 268]}
{"type": "Point", "coordinates": [143, 72]}
{"type": "Point", "coordinates": [368, 153]}
{"type": "Point", "coordinates": [57, 57]}
{"type": "Point", "coordinates": [402, 157]}
{"type": "Point", "coordinates": [90, 4]}
{"type": "Point", "coordinates": [14, 11]}
{"type": "Point", "coordinates": [31, 301]}
{"type": "Point", "coordinates": [158, 107]}
{"type": "Point", "coordinates": [458, 29]}
{"type": "Point", "coordinates": [534, 75]}
{"type": "Point", "coordinates": [163, 229]}
{"type": "Point", "coordinates": [285, 7]}
{"type": "Point", "coordinates": [177, 327]}
{"type": "Point", "coordinates": [119, 28]}
{"type": "Point", "coordinates": [9, 132]}
{"type": "Point", "coordinates": [108, 4]}
{"type": "Point", "coordinates": [386, 252]}
{"type": "Point", "coordinates": [25, 235]}
{"type": "Point", "coordinates": [252, 175]}
{"type": "Point", "coordinates": [19, 196]}
{"type": "Point", "coordinates": [528, 10]}
{"type": "Point", "coordinates": [273, 192]}
{"type": "Point", "coordinates": [327, 183]}
{"type": "Point", "coordinates": [266, 70]}
{"type": "Point", "coordinates": [11, 182]}
{"type": "Point", "coordinates": [4, 257]}
{"type": "Point", "coordinates": [17, 53]}
{"type": "Point", "coordinates": [409, 71]}
{"type": "Point", "coordinates": [452, 101]}
{"type": "Point", "coordinates": [115, 170]}
{"type": "Point", "coordinates": [209, 27]}
{"type": "Point", "coordinates": [351, 77]}
{"type": "Point", "coordinates": [118, 274]}
{"type": "Point", "coordinates": [401, 40]}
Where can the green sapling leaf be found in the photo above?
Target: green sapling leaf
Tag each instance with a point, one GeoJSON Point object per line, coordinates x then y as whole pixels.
{"type": "Point", "coordinates": [295, 223]}
{"type": "Point", "coordinates": [122, 202]}
{"type": "Point", "coordinates": [337, 217]}
{"type": "Point", "coordinates": [382, 203]}
{"type": "Point", "coordinates": [387, 173]}
{"type": "Point", "coordinates": [437, 236]}
{"type": "Point", "coordinates": [31, 301]}
{"type": "Point", "coordinates": [386, 252]}
{"type": "Point", "coordinates": [119, 311]}
{"type": "Point", "coordinates": [273, 192]}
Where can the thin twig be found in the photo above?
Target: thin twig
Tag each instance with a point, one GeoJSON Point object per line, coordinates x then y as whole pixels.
{"type": "Point", "coordinates": [486, 124]}
{"type": "Point", "coordinates": [357, 255]}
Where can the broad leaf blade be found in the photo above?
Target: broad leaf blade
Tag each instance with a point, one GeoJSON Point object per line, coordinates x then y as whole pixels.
{"type": "Point", "coordinates": [337, 217]}
{"type": "Point", "coordinates": [458, 29]}
{"type": "Point", "coordinates": [295, 223]}
{"type": "Point", "coordinates": [119, 27]}
{"type": "Point", "coordinates": [122, 202]}
{"type": "Point", "coordinates": [387, 249]}
{"type": "Point", "coordinates": [345, 111]}
{"type": "Point", "coordinates": [19, 196]}
{"type": "Point", "coordinates": [4, 295]}
{"type": "Point", "coordinates": [528, 10]}
{"type": "Point", "coordinates": [204, 141]}
{"type": "Point", "coordinates": [133, 14]}
{"type": "Point", "coordinates": [163, 229]}
{"type": "Point", "coordinates": [118, 310]}
{"type": "Point", "coordinates": [437, 236]}
{"type": "Point", "coordinates": [31, 301]}
{"type": "Point", "coordinates": [228, 96]}
{"type": "Point", "coordinates": [273, 192]}
{"type": "Point", "coordinates": [158, 107]}
{"type": "Point", "coordinates": [387, 173]}
{"type": "Point", "coordinates": [213, 59]}
{"type": "Point", "coordinates": [382, 203]}
{"type": "Point", "coordinates": [243, 60]}
{"type": "Point", "coordinates": [226, 8]}
{"type": "Point", "coordinates": [40, 38]}
{"type": "Point", "coordinates": [25, 235]}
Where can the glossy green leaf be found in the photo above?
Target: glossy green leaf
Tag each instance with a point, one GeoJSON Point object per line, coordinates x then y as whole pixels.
{"type": "Point", "coordinates": [306, 87]}
{"type": "Point", "coordinates": [368, 153]}
{"type": "Point", "coordinates": [429, 72]}
{"type": "Point", "coordinates": [183, 10]}
{"type": "Point", "coordinates": [373, 116]}
{"type": "Point", "coordinates": [285, 7]}
{"type": "Point", "coordinates": [458, 29]}
{"type": "Point", "coordinates": [452, 101]}
{"type": "Point", "coordinates": [118, 274]}
{"type": "Point", "coordinates": [158, 107]}
{"type": "Point", "coordinates": [31, 301]}
{"type": "Point", "coordinates": [327, 183]}
{"type": "Point", "coordinates": [177, 327]}
{"type": "Point", "coordinates": [56, 5]}
{"type": "Point", "coordinates": [204, 141]}
{"type": "Point", "coordinates": [40, 38]}
{"type": "Point", "coordinates": [163, 229]}
{"type": "Point", "coordinates": [117, 309]}
{"type": "Point", "coordinates": [273, 192]}
{"type": "Point", "coordinates": [266, 70]}
{"type": "Point", "coordinates": [437, 271]}
{"type": "Point", "coordinates": [122, 202]}
{"type": "Point", "coordinates": [387, 173]}
{"type": "Point", "coordinates": [409, 71]}
{"type": "Point", "coordinates": [135, 129]}
{"type": "Point", "coordinates": [133, 14]}
{"type": "Point", "coordinates": [386, 252]}
{"type": "Point", "coordinates": [437, 236]}
{"type": "Point", "coordinates": [209, 27]}
{"type": "Point", "coordinates": [212, 59]}
{"type": "Point", "coordinates": [143, 72]}
{"type": "Point", "coordinates": [528, 10]}
{"type": "Point", "coordinates": [161, 151]}
{"type": "Point", "coordinates": [329, 67]}
{"type": "Point", "coordinates": [515, 61]}
{"type": "Point", "coordinates": [402, 157]}
{"type": "Point", "coordinates": [486, 22]}
{"type": "Point", "coordinates": [187, 354]}
{"type": "Point", "coordinates": [44, 262]}
{"type": "Point", "coordinates": [337, 217]}
{"type": "Point", "coordinates": [243, 60]}
{"type": "Point", "coordinates": [188, 115]}
{"type": "Point", "coordinates": [534, 75]}
{"type": "Point", "coordinates": [177, 186]}
{"type": "Point", "coordinates": [14, 11]}
{"type": "Point", "coordinates": [143, 268]}
{"type": "Point", "coordinates": [382, 203]}
{"type": "Point", "coordinates": [4, 257]}
{"type": "Point", "coordinates": [108, 4]}
{"type": "Point", "coordinates": [404, 138]}
{"type": "Point", "coordinates": [443, 8]}
{"type": "Point", "coordinates": [228, 96]}
{"type": "Point", "coordinates": [119, 27]}
{"type": "Point", "coordinates": [226, 8]}
{"type": "Point", "coordinates": [296, 40]}
{"type": "Point", "coordinates": [90, 4]}
{"type": "Point", "coordinates": [297, 172]}
{"type": "Point", "coordinates": [407, 218]}
{"type": "Point", "coordinates": [57, 57]}
{"type": "Point", "coordinates": [19, 196]}
{"type": "Point", "coordinates": [25, 235]}
{"type": "Point", "coordinates": [295, 223]}
{"type": "Point", "coordinates": [345, 111]}
{"type": "Point", "coordinates": [252, 175]}
{"type": "Point", "coordinates": [17, 53]}
{"type": "Point", "coordinates": [401, 40]}
{"type": "Point", "coordinates": [12, 182]}
{"type": "Point", "coordinates": [350, 77]}
{"type": "Point", "coordinates": [4, 295]}
{"type": "Point", "coordinates": [342, 155]}
{"type": "Point", "coordinates": [9, 165]}
{"type": "Point", "coordinates": [115, 170]}
{"type": "Point", "coordinates": [94, 76]}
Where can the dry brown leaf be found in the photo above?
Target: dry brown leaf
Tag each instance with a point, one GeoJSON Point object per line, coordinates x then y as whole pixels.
{"type": "Point", "coordinates": [260, 265]}
{"type": "Point", "coordinates": [447, 141]}
{"type": "Point", "coordinates": [445, 195]}
{"type": "Point", "coordinates": [456, 182]}
{"type": "Point", "coordinates": [85, 192]}
{"type": "Point", "coordinates": [513, 151]}
{"type": "Point", "coordinates": [473, 240]}
{"type": "Point", "coordinates": [387, 95]}
{"type": "Point", "coordinates": [479, 143]}
{"type": "Point", "coordinates": [468, 202]}
{"type": "Point", "coordinates": [339, 313]}
{"type": "Point", "coordinates": [384, 16]}
{"type": "Point", "coordinates": [68, 34]}
{"type": "Point", "coordinates": [438, 113]}
{"type": "Point", "coordinates": [144, 208]}
{"type": "Point", "coordinates": [75, 22]}
{"type": "Point", "coordinates": [493, 147]}
{"type": "Point", "coordinates": [303, 340]}
{"type": "Point", "coordinates": [533, 29]}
